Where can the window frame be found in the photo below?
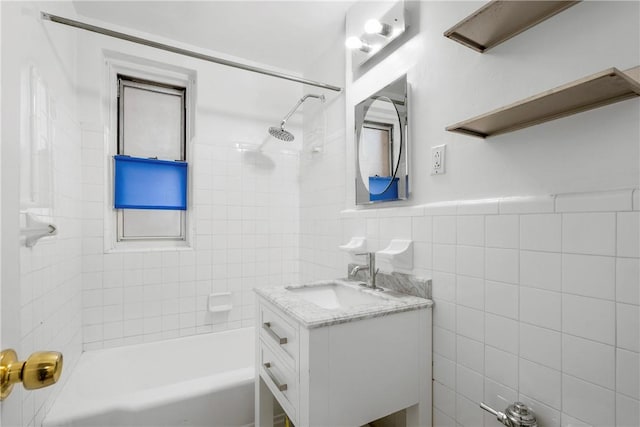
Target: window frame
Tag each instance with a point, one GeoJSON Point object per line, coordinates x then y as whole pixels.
{"type": "Point", "coordinates": [158, 87]}
{"type": "Point", "coordinates": [161, 74]}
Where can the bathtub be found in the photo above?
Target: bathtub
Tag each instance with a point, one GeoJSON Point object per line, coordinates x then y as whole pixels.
{"type": "Point", "coordinates": [203, 380]}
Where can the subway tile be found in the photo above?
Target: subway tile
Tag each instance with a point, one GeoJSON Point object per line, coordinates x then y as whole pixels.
{"type": "Point", "coordinates": [541, 270]}
{"type": "Point", "coordinates": [470, 353]}
{"type": "Point", "coordinates": [589, 233]}
{"type": "Point", "coordinates": [444, 399]}
{"type": "Point", "coordinates": [628, 373]}
{"type": "Point", "coordinates": [545, 415]}
{"type": "Point", "coordinates": [627, 411]}
{"type": "Point", "coordinates": [422, 229]}
{"type": "Point", "coordinates": [470, 261]}
{"type": "Point", "coordinates": [469, 383]}
{"type": "Point", "coordinates": [527, 205]}
{"type": "Point", "coordinates": [541, 232]}
{"type": "Point", "coordinates": [501, 299]}
{"type": "Point", "coordinates": [628, 326]}
{"type": "Point", "coordinates": [444, 371]}
{"type": "Point", "coordinates": [591, 403]}
{"type": "Point", "coordinates": [395, 228]}
{"type": "Point", "coordinates": [628, 232]}
{"type": "Point", "coordinates": [541, 383]}
{"type": "Point", "coordinates": [588, 275]}
{"type": "Point", "coordinates": [468, 413]}
{"type": "Point", "coordinates": [470, 323]}
{"type": "Point", "coordinates": [501, 367]}
{"type": "Point", "coordinates": [497, 329]}
{"type": "Point", "coordinates": [540, 345]}
{"type": "Point", "coordinates": [470, 292]}
{"type": "Point", "coordinates": [589, 360]}
{"type": "Point", "coordinates": [423, 255]}
{"type": "Point", "coordinates": [440, 419]}
{"type": "Point", "coordinates": [589, 318]}
{"type": "Point", "coordinates": [444, 315]}
{"type": "Point", "coordinates": [628, 280]}
{"type": "Point", "coordinates": [601, 201]}
{"type": "Point", "coordinates": [444, 343]}
{"type": "Point", "coordinates": [444, 286]}
{"type": "Point", "coordinates": [497, 396]}
{"type": "Point", "coordinates": [541, 308]}
{"type": "Point", "coordinates": [569, 421]}
{"type": "Point", "coordinates": [444, 258]}
{"type": "Point", "coordinates": [444, 229]}
{"type": "Point", "coordinates": [478, 207]}
{"type": "Point", "coordinates": [502, 265]}
{"type": "Point", "coordinates": [503, 231]}
{"type": "Point", "coordinates": [470, 230]}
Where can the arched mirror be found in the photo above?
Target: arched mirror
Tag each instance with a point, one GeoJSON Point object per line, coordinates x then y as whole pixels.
{"type": "Point", "coordinates": [381, 145]}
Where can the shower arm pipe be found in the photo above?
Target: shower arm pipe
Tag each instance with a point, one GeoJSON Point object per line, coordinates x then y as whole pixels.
{"type": "Point", "coordinates": [300, 101]}
{"type": "Point", "coordinates": [139, 40]}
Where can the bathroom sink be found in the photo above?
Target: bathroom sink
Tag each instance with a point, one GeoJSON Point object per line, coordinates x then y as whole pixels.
{"type": "Point", "coordinates": [335, 296]}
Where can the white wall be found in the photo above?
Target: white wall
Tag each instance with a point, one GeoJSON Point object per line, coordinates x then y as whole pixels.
{"type": "Point", "coordinates": [41, 286]}
{"type": "Point", "coordinates": [322, 174]}
{"type": "Point", "coordinates": [244, 213]}
{"type": "Point", "coordinates": [596, 150]}
{"type": "Point", "coordinates": [515, 316]}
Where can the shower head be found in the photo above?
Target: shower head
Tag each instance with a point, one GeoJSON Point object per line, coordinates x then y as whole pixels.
{"type": "Point", "coordinates": [280, 132]}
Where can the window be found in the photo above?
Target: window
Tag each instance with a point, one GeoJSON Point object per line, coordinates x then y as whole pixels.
{"type": "Point", "coordinates": [151, 124]}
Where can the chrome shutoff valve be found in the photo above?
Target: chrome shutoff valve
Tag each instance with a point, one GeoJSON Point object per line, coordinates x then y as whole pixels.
{"type": "Point", "coordinates": [516, 415]}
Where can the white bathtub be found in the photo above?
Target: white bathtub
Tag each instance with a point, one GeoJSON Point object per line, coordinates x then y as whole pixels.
{"type": "Point", "coordinates": [203, 380]}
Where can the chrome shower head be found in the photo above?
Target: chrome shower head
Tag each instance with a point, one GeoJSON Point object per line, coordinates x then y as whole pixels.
{"type": "Point", "coordinates": [281, 133]}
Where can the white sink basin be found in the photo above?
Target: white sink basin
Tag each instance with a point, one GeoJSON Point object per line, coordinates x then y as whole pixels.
{"type": "Point", "coordinates": [335, 296]}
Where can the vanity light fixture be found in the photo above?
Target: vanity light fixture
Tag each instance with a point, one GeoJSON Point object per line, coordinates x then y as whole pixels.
{"type": "Point", "coordinates": [373, 26]}
{"type": "Point", "coordinates": [355, 42]}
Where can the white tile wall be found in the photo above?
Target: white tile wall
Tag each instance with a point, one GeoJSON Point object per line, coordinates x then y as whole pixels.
{"type": "Point", "coordinates": [243, 239]}
{"type": "Point", "coordinates": [50, 272]}
{"type": "Point", "coordinates": [543, 306]}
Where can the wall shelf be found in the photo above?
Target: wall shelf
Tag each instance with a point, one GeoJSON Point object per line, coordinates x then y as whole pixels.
{"type": "Point", "coordinates": [498, 21]}
{"type": "Point", "coordinates": [600, 89]}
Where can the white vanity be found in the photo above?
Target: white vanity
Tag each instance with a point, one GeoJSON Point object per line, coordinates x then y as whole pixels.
{"type": "Point", "coordinates": [337, 354]}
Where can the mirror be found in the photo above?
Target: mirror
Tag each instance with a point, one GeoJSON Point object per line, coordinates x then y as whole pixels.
{"type": "Point", "coordinates": [381, 145]}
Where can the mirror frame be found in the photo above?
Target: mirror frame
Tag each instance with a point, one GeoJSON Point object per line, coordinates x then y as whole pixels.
{"type": "Point", "coordinates": [397, 93]}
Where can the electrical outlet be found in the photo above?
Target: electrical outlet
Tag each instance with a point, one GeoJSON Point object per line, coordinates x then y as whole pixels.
{"type": "Point", "coordinates": [437, 160]}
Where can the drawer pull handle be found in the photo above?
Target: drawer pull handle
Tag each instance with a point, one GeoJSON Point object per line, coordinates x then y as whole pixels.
{"type": "Point", "coordinates": [281, 387]}
{"type": "Point", "coordinates": [267, 327]}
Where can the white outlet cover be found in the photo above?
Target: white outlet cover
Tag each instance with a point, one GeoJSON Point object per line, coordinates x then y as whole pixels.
{"type": "Point", "coordinates": [438, 159]}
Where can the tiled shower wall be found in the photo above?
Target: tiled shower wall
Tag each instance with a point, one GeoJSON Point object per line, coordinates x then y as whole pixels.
{"type": "Point", "coordinates": [50, 272]}
{"type": "Point", "coordinates": [41, 285]}
{"type": "Point", "coordinates": [243, 239]}
{"type": "Point", "coordinates": [535, 300]}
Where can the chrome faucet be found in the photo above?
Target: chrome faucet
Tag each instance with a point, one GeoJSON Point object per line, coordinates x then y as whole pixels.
{"type": "Point", "coordinates": [373, 272]}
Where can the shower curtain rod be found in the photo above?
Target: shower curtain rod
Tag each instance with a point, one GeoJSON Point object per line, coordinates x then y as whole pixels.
{"type": "Point", "coordinates": [123, 36]}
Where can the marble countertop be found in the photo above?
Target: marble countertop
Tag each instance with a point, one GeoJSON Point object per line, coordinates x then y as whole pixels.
{"type": "Point", "coordinates": [311, 315]}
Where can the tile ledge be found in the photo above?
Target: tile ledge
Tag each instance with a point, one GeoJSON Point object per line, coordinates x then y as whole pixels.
{"type": "Point", "coordinates": [593, 201]}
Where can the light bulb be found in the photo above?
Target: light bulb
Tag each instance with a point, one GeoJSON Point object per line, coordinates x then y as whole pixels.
{"type": "Point", "coordinates": [373, 26]}
{"type": "Point", "coordinates": [355, 42]}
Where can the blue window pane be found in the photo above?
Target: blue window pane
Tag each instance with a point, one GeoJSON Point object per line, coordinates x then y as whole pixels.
{"type": "Point", "coordinates": [150, 184]}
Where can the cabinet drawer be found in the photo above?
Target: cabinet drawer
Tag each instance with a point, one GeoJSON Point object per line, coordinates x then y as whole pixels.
{"type": "Point", "coordinates": [281, 380]}
{"type": "Point", "coordinates": [280, 334]}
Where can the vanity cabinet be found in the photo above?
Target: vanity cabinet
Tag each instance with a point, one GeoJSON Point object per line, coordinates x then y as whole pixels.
{"type": "Point", "coordinates": [343, 372]}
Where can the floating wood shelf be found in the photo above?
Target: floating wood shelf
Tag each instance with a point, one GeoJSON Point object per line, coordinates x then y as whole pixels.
{"type": "Point", "coordinates": [603, 88]}
{"type": "Point", "coordinates": [498, 21]}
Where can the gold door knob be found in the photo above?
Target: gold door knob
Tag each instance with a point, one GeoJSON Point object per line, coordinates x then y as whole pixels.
{"type": "Point", "coordinates": [41, 369]}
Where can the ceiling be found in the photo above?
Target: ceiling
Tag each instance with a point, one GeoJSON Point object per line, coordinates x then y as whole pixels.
{"type": "Point", "coordinates": [282, 34]}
